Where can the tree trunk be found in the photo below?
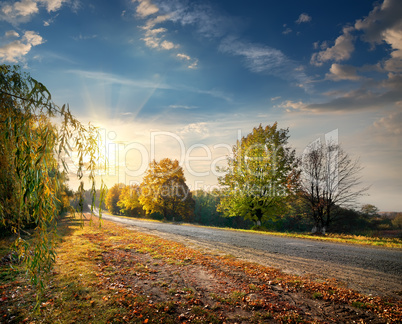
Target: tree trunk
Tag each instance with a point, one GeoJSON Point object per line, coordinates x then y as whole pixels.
{"type": "Point", "coordinates": [259, 217]}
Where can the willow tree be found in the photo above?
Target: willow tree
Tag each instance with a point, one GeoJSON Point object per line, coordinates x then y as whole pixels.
{"type": "Point", "coordinates": [261, 174]}
{"type": "Point", "coordinates": [33, 151]}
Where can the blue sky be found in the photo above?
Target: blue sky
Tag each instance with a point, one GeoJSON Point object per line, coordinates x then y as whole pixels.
{"type": "Point", "coordinates": [184, 79]}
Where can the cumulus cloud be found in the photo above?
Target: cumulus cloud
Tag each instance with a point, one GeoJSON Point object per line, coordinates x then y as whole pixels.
{"type": "Point", "coordinates": [19, 11]}
{"type": "Point", "coordinates": [383, 25]}
{"type": "Point", "coordinates": [371, 96]}
{"type": "Point", "coordinates": [52, 5]}
{"type": "Point", "coordinates": [340, 51]}
{"type": "Point", "coordinates": [155, 36]}
{"type": "Point", "coordinates": [339, 72]}
{"type": "Point", "coordinates": [11, 33]}
{"type": "Point", "coordinates": [390, 124]}
{"type": "Point", "coordinates": [208, 23]}
{"type": "Point", "coordinates": [166, 45]}
{"type": "Point", "coordinates": [22, 11]}
{"type": "Point", "coordinates": [387, 130]}
{"type": "Point", "coordinates": [146, 8]}
{"type": "Point", "coordinates": [303, 18]}
{"type": "Point", "coordinates": [290, 105]}
{"type": "Point", "coordinates": [15, 51]}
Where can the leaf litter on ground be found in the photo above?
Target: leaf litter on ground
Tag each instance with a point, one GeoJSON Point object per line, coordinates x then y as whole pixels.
{"type": "Point", "coordinates": [111, 274]}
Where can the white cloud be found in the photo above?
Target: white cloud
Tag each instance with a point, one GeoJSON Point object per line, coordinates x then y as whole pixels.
{"type": "Point", "coordinates": [19, 11]}
{"type": "Point", "coordinates": [182, 107]}
{"type": "Point", "coordinates": [146, 8]}
{"type": "Point", "coordinates": [193, 65]}
{"type": "Point", "coordinates": [22, 11]}
{"type": "Point", "coordinates": [11, 33]}
{"type": "Point", "coordinates": [47, 23]}
{"type": "Point", "coordinates": [340, 51]}
{"type": "Point", "coordinates": [84, 37]}
{"type": "Point", "coordinates": [15, 51]}
{"type": "Point", "coordinates": [183, 57]}
{"type": "Point", "coordinates": [339, 72]}
{"type": "Point", "coordinates": [290, 105]}
{"type": "Point", "coordinates": [384, 25]}
{"type": "Point", "coordinates": [198, 128]}
{"type": "Point", "coordinates": [390, 125]}
{"type": "Point", "coordinates": [116, 79]}
{"type": "Point", "coordinates": [303, 18]}
{"type": "Point", "coordinates": [264, 59]}
{"type": "Point", "coordinates": [166, 45]}
{"type": "Point", "coordinates": [156, 31]}
{"type": "Point", "coordinates": [258, 58]}
{"type": "Point", "coordinates": [52, 5]}
{"type": "Point", "coordinates": [154, 37]}
{"type": "Point", "coordinates": [287, 31]}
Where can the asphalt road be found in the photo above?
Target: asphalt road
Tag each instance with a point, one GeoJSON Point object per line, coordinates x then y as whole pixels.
{"type": "Point", "coordinates": [387, 261]}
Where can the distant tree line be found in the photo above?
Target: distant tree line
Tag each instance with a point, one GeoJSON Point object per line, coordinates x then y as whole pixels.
{"type": "Point", "coordinates": [265, 186]}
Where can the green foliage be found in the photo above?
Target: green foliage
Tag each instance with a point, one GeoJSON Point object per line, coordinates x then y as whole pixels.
{"type": "Point", "coordinates": [397, 221]}
{"type": "Point", "coordinates": [261, 174]}
{"type": "Point", "coordinates": [206, 213]}
{"type": "Point", "coordinates": [369, 210]}
{"type": "Point", "coordinates": [32, 152]}
{"type": "Point", "coordinates": [206, 203]}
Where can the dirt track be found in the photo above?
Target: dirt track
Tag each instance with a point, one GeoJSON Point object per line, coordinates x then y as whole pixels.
{"type": "Point", "coordinates": [381, 281]}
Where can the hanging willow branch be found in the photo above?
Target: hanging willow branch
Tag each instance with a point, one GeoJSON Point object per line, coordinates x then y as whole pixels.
{"type": "Point", "coordinates": [33, 165]}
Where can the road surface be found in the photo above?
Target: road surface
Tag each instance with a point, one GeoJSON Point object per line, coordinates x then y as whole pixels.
{"type": "Point", "coordinates": [367, 269]}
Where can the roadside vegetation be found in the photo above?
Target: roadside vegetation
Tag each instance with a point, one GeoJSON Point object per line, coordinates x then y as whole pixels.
{"type": "Point", "coordinates": [111, 274]}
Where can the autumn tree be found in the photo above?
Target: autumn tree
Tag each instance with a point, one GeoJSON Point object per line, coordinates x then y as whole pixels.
{"type": "Point", "coordinates": [165, 191]}
{"type": "Point", "coordinates": [369, 210]}
{"type": "Point", "coordinates": [32, 158]}
{"type": "Point", "coordinates": [112, 198]}
{"type": "Point", "coordinates": [129, 201]}
{"type": "Point", "coordinates": [330, 178]}
{"type": "Point", "coordinates": [261, 173]}
{"type": "Point", "coordinates": [397, 221]}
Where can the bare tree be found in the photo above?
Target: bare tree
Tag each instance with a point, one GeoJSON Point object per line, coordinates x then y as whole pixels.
{"type": "Point", "coordinates": [330, 177]}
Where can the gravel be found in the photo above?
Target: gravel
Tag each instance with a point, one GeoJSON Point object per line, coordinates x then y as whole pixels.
{"type": "Point", "coordinates": [370, 270]}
